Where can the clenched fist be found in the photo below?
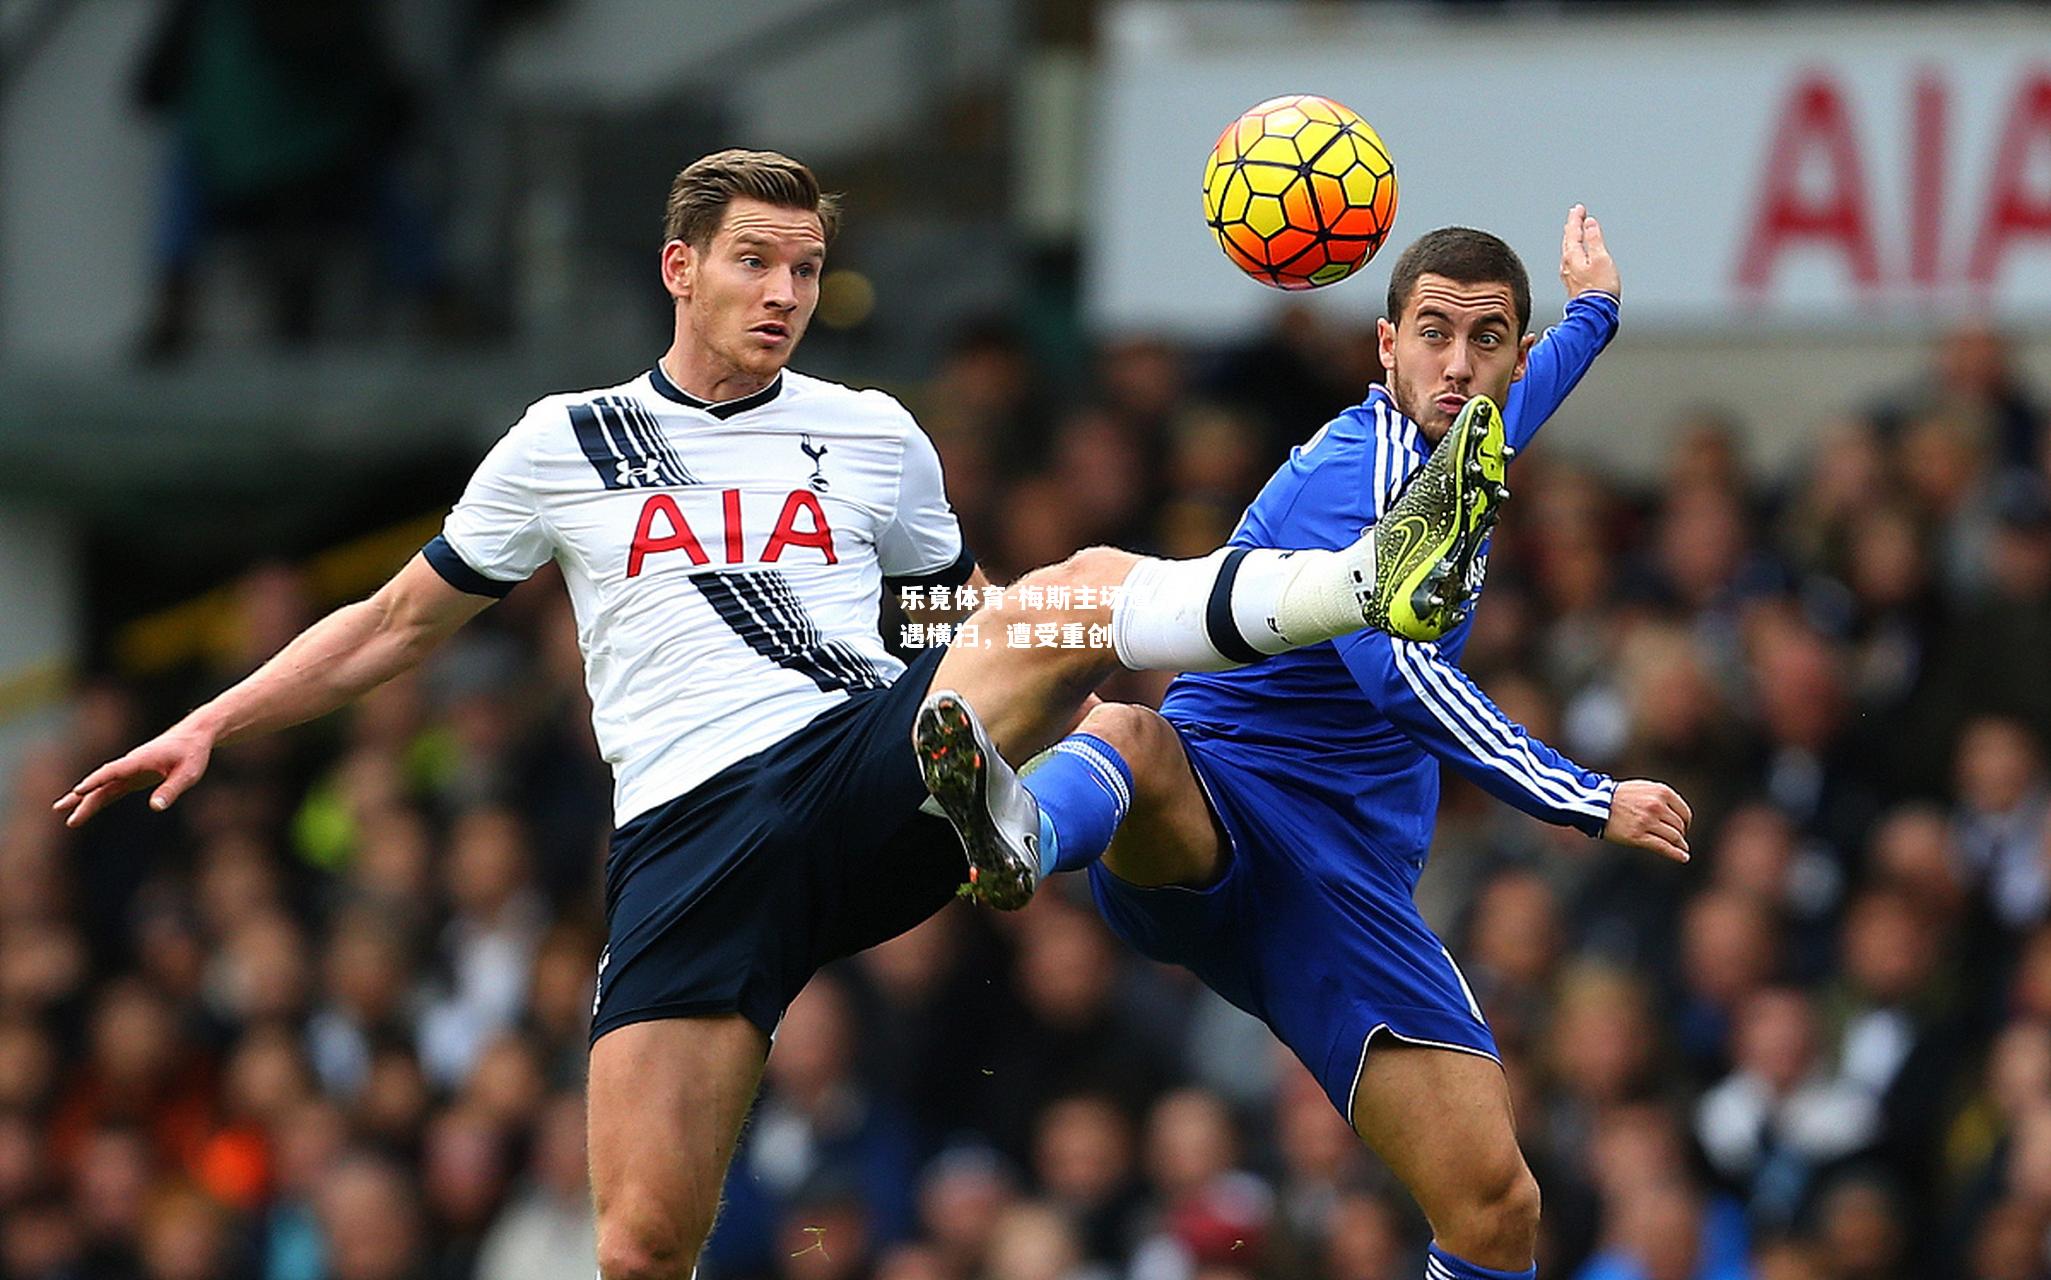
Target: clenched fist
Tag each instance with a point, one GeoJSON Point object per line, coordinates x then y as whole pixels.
{"type": "Point", "coordinates": [1649, 815]}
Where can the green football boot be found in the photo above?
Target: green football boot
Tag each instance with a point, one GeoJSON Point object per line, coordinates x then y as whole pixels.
{"type": "Point", "coordinates": [1426, 545]}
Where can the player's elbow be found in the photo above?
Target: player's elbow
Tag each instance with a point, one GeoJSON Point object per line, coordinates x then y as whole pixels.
{"type": "Point", "coordinates": [402, 632]}
{"type": "Point", "coordinates": [416, 611]}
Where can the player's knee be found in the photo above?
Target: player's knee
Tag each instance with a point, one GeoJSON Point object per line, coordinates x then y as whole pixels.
{"type": "Point", "coordinates": [1094, 568]}
{"type": "Point", "coordinates": [1097, 567]}
{"type": "Point", "coordinates": [646, 1247]}
{"type": "Point", "coordinates": [1142, 738]}
{"type": "Point", "coordinates": [1500, 1216]}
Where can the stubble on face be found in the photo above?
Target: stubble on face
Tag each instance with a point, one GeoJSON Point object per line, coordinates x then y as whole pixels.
{"type": "Point", "coordinates": [753, 292]}
{"type": "Point", "coordinates": [1455, 341]}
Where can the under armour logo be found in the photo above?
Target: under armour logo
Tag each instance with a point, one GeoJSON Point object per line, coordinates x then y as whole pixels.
{"type": "Point", "coordinates": [817, 454]}
{"type": "Point", "coordinates": [629, 471]}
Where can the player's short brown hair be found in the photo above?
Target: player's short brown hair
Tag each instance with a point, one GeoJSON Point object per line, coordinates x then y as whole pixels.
{"type": "Point", "coordinates": [1464, 256]}
{"type": "Point", "coordinates": [701, 192]}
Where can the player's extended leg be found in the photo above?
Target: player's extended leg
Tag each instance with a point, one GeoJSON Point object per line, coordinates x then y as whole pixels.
{"type": "Point", "coordinates": [994, 702]}
{"type": "Point", "coordinates": [666, 1102]}
{"type": "Point", "coordinates": [1120, 787]}
{"type": "Point", "coordinates": [1407, 575]}
{"type": "Point", "coordinates": [1441, 1121]}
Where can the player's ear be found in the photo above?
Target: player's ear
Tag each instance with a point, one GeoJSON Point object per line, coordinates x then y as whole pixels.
{"type": "Point", "coordinates": [1385, 346]}
{"type": "Point", "coordinates": [679, 265]}
{"type": "Point", "coordinates": [1524, 345]}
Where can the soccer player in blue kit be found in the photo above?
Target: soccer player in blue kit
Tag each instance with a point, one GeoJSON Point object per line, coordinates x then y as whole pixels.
{"type": "Point", "coordinates": [1267, 828]}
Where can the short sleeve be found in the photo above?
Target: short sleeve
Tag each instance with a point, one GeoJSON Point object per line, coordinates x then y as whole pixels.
{"type": "Point", "coordinates": [922, 544]}
{"type": "Point", "coordinates": [495, 538]}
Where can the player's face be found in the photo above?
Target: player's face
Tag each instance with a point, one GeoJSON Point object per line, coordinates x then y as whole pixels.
{"type": "Point", "coordinates": [750, 293]}
{"type": "Point", "coordinates": [1453, 341]}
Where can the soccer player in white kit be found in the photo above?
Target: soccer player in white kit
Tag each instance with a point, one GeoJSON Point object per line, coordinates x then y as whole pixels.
{"type": "Point", "coordinates": [725, 528]}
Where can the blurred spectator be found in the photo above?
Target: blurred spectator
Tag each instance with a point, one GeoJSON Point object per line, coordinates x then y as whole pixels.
{"type": "Point", "coordinates": [284, 129]}
{"type": "Point", "coordinates": [818, 1135]}
{"type": "Point", "coordinates": [547, 1229]}
{"type": "Point", "coordinates": [1780, 1119]}
{"type": "Point", "coordinates": [371, 1223]}
{"type": "Point", "coordinates": [1860, 1231]}
{"type": "Point", "coordinates": [140, 1081]}
{"type": "Point", "coordinates": [1729, 948]}
{"type": "Point", "coordinates": [962, 1194]}
{"type": "Point", "coordinates": [1894, 1034]}
{"type": "Point", "coordinates": [489, 944]}
{"type": "Point", "coordinates": [1515, 939]}
{"type": "Point", "coordinates": [1033, 1242]}
{"type": "Point", "coordinates": [2011, 615]}
{"type": "Point", "coordinates": [1073, 1033]}
{"type": "Point", "coordinates": [464, 1171]}
{"type": "Point", "coordinates": [1366, 1241]}
{"type": "Point", "coordinates": [1812, 766]}
{"type": "Point", "coordinates": [368, 1001]}
{"type": "Point", "coordinates": [1662, 1232]}
{"type": "Point", "coordinates": [1213, 1214]}
{"type": "Point", "coordinates": [2004, 805]}
{"type": "Point", "coordinates": [185, 1236]}
{"type": "Point", "coordinates": [1973, 378]}
{"type": "Point", "coordinates": [1083, 1163]}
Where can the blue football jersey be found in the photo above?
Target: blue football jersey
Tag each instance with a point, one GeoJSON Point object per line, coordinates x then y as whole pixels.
{"type": "Point", "coordinates": [1365, 720]}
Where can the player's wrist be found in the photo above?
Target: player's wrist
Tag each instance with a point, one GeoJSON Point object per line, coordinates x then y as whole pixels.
{"type": "Point", "coordinates": [208, 724]}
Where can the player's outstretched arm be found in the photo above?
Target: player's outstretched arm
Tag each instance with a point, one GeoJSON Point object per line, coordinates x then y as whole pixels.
{"type": "Point", "coordinates": [1445, 713]}
{"type": "Point", "coordinates": [344, 655]}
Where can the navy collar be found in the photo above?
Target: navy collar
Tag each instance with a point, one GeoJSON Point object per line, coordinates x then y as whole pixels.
{"type": "Point", "coordinates": [669, 390]}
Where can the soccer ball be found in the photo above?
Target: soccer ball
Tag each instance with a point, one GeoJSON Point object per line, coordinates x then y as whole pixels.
{"type": "Point", "coordinates": [1300, 192]}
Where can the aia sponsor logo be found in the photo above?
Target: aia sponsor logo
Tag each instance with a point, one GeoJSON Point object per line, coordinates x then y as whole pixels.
{"type": "Point", "coordinates": [665, 528]}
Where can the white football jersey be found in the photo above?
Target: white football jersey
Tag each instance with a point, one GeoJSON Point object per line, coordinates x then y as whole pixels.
{"type": "Point", "coordinates": [725, 561]}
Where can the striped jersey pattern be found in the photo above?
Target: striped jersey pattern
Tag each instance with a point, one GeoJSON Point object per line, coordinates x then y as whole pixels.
{"type": "Point", "coordinates": [725, 560]}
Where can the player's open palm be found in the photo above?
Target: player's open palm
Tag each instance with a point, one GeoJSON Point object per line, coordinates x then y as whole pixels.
{"type": "Point", "coordinates": [1649, 815]}
{"type": "Point", "coordinates": [178, 756]}
{"type": "Point", "coordinates": [1585, 263]}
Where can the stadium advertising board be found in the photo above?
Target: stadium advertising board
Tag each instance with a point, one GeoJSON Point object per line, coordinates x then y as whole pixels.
{"type": "Point", "coordinates": [1877, 165]}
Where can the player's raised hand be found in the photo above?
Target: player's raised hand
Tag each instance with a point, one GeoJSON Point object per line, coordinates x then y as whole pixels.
{"type": "Point", "coordinates": [178, 756]}
{"type": "Point", "coordinates": [1649, 815]}
{"type": "Point", "coordinates": [1585, 263]}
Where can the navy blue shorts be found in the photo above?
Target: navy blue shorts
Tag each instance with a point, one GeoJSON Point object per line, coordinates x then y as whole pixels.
{"type": "Point", "coordinates": [728, 898]}
{"type": "Point", "coordinates": [1309, 929]}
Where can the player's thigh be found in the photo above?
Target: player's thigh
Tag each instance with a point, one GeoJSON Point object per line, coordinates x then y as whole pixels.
{"type": "Point", "coordinates": [1441, 1120]}
{"type": "Point", "coordinates": [667, 1099]}
{"type": "Point", "coordinates": [1027, 694]}
{"type": "Point", "coordinates": [1170, 836]}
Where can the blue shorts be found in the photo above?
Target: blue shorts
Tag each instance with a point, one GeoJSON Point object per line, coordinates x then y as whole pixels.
{"type": "Point", "coordinates": [728, 898]}
{"type": "Point", "coordinates": [1308, 929]}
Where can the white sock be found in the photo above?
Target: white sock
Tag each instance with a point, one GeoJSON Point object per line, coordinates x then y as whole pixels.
{"type": "Point", "coordinates": [1237, 606]}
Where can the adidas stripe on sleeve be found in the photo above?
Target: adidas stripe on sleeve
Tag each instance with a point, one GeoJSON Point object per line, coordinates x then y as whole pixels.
{"type": "Point", "coordinates": [1440, 708]}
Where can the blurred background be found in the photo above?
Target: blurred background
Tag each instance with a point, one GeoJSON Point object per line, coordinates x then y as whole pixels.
{"type": "Point", "coordinates": [272, 276]}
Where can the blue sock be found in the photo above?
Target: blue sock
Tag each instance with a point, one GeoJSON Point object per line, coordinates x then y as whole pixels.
{"type": "Point", "coordinates": [1084, 788]}
{"type": "Point", "coordinates": [1440, 1265]}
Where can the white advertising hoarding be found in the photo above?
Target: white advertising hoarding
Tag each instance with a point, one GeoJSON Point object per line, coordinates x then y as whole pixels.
{"type": "Point", "coordinates": [1876, 165]}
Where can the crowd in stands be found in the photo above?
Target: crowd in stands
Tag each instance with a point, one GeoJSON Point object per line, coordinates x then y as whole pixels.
{"type": "Point", "coordinates": [326, 1019]}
